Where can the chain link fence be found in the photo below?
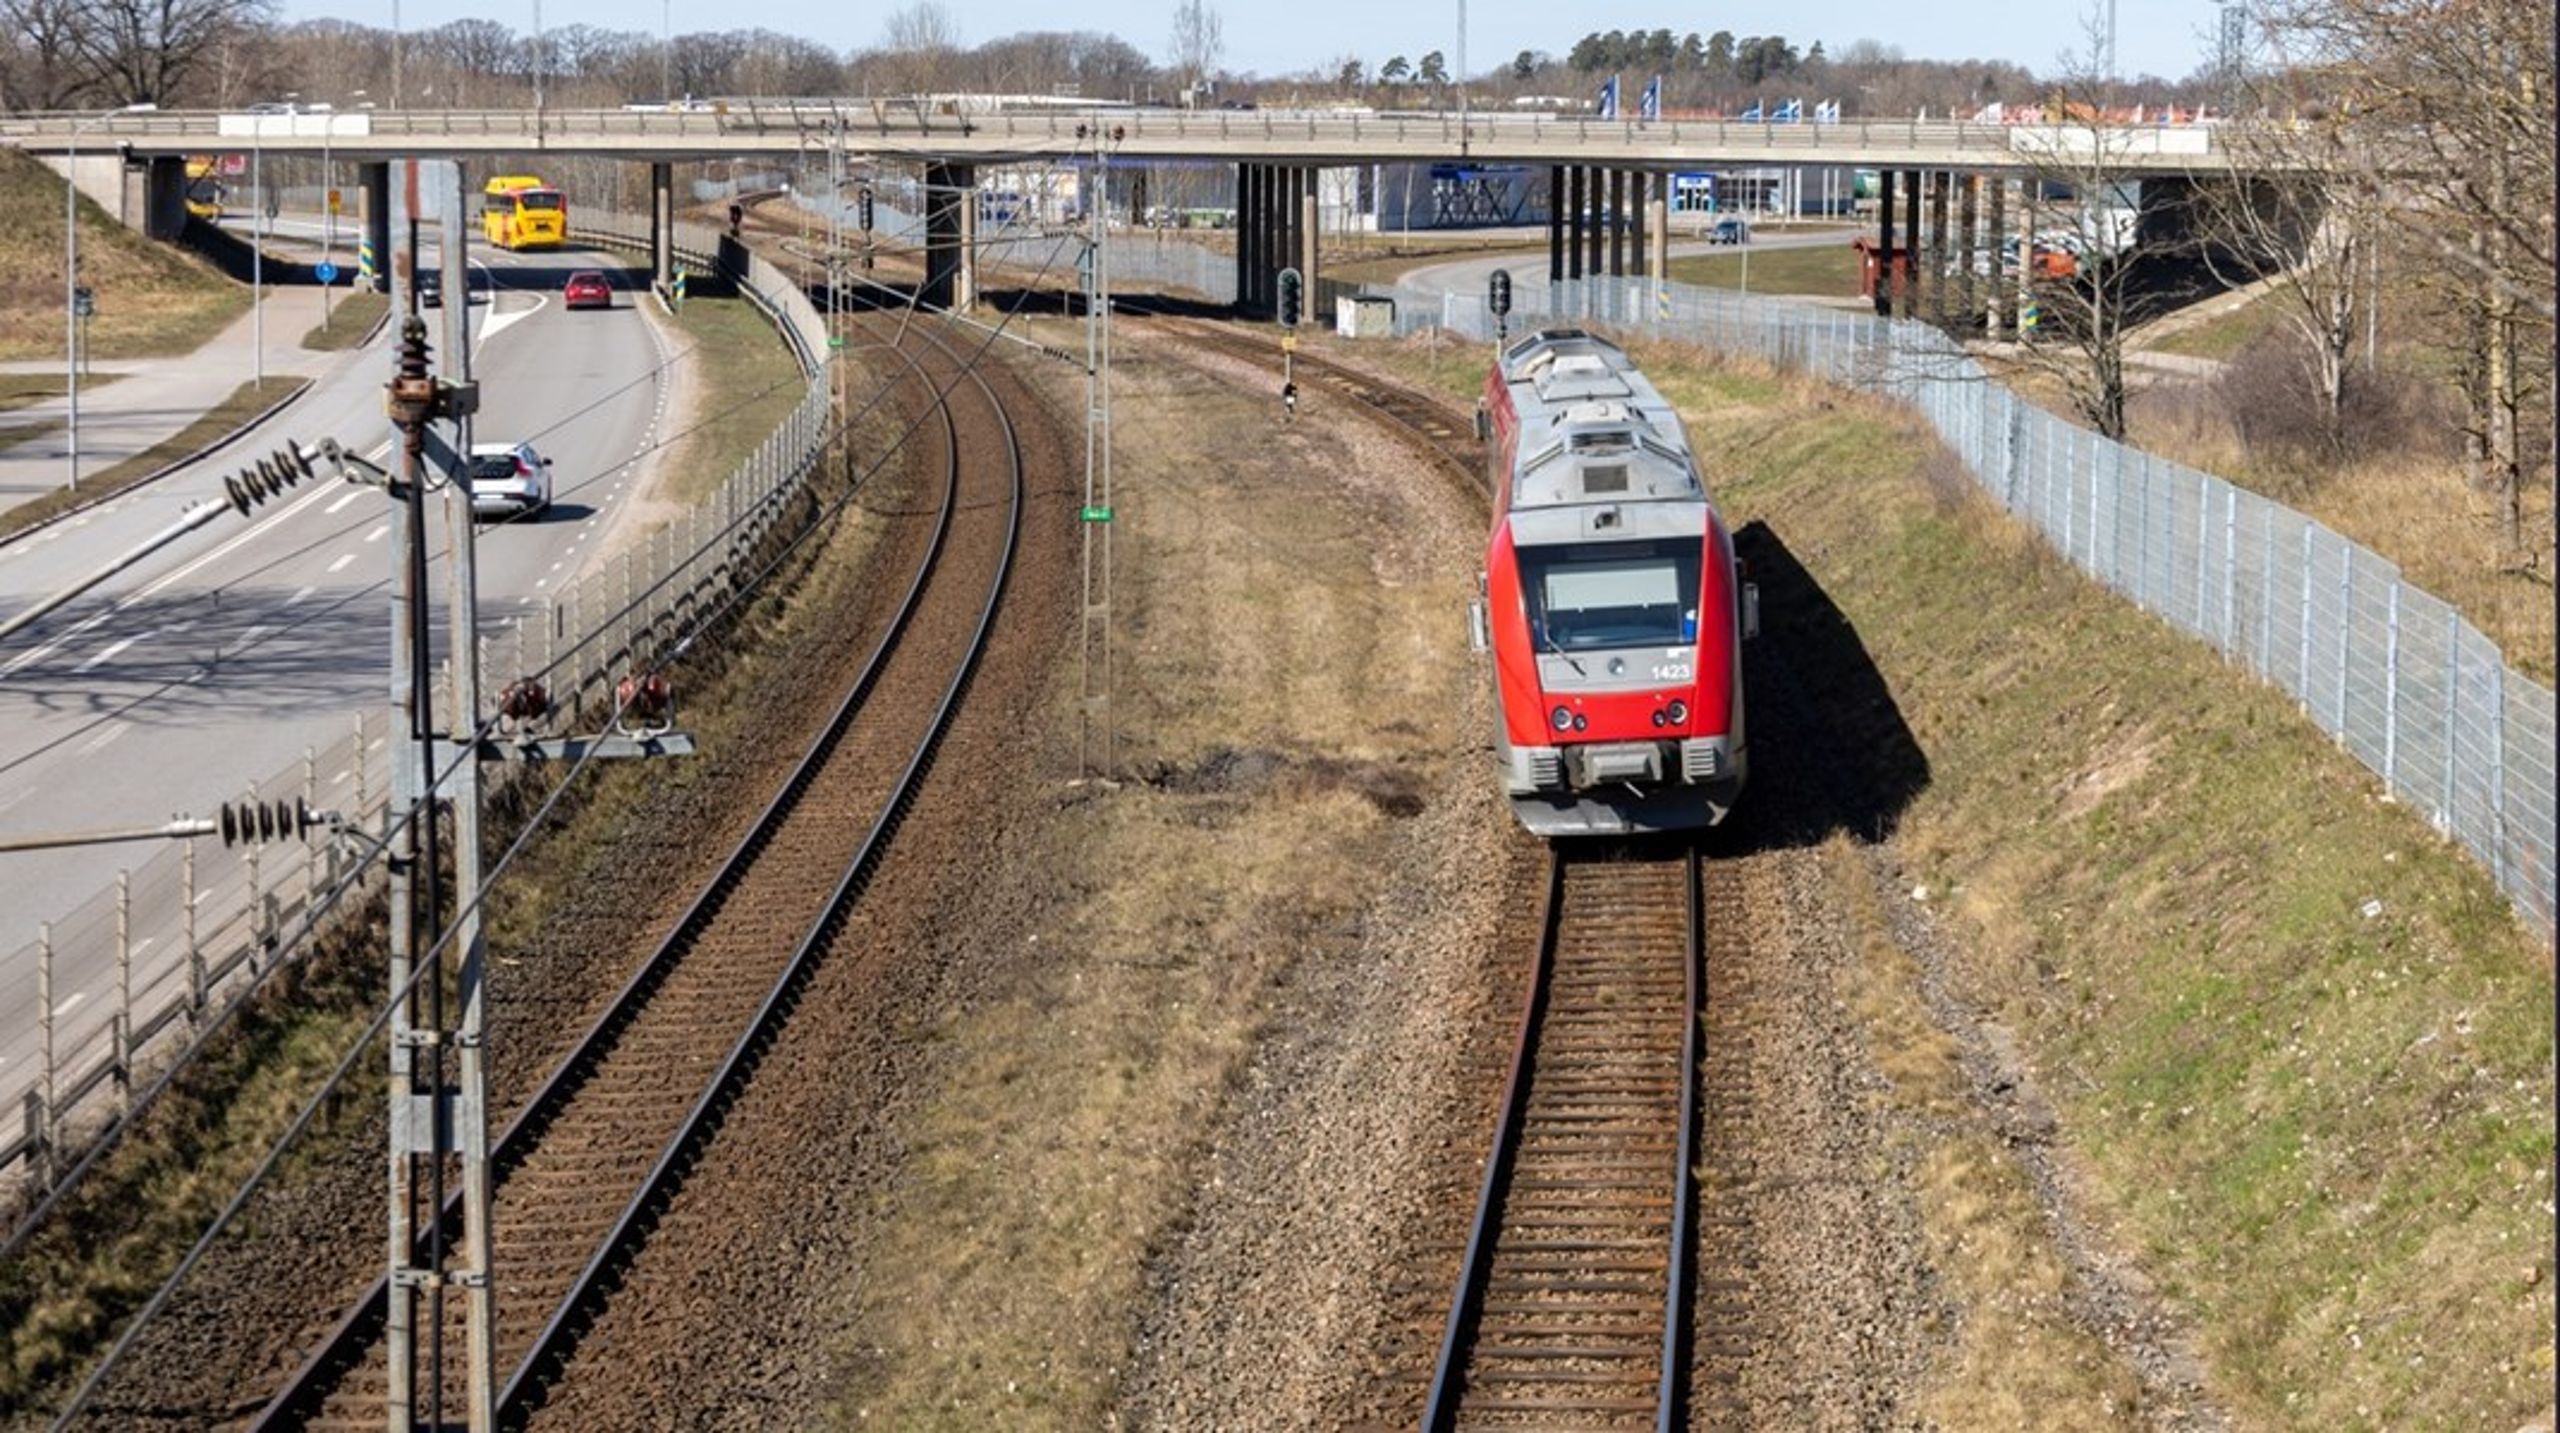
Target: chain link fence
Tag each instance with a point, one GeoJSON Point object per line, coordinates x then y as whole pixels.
{"type": "Point", "coordinates": [135, 974]}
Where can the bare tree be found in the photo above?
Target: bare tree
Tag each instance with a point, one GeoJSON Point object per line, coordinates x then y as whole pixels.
{"type": "Point", "coordinates": [2444, 110]}
{"type": "Point", "coordinates": [42, 68]}
{"type": "Point", "coordinates": [919, 47]}
{"type": "Point", "coordinates": [148, 51]}
{"type": "Point", "coordinates": [1199, 38]}
{"type": "Point", "coordinates": [2305, 229]}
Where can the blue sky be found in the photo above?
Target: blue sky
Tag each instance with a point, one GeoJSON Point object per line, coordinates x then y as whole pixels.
{"type": "Point", "coordinates": [2166, 37]}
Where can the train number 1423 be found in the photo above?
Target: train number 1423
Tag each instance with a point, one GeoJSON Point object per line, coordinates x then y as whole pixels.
{"type": "Point", "coordinates": [1671, 672]}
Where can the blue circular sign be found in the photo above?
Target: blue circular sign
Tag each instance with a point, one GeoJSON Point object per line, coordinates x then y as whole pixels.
{"type": "Point", "coordinates": [326, 272]}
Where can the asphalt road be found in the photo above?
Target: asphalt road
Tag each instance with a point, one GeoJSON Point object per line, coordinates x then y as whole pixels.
{"type": "Point", "coordinates": [1529, 272]}
{"type": "Point", "coordinates": [218, 660]}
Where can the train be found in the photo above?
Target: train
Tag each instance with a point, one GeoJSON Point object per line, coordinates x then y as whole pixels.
{"type": "Point", "coordinates": [1610, 601]}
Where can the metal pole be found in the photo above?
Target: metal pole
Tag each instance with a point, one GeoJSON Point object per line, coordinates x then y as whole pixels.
{"type": "Point", "coordinates": [258, 262]}
{"type": "Point", "coordinates": [124, 987]}
{"type": "Point", "coordinates": [44, 1019]}
{"type": "Point", "coordinates": [187, 910]}
{"type": "Point", "coordinates": [71, 297]}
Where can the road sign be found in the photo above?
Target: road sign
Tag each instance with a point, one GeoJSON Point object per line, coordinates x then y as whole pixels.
{"type": "Point", "coordinates": [84, 302]}
{"type": "Point", "coordinates": [334, 204]}
{"type": "Point", "coordinates": [1288, 343]}
{"type": "Point", "coordinates": [325, 272]}
{"type": "Point", "coordinates": [1095, 514]}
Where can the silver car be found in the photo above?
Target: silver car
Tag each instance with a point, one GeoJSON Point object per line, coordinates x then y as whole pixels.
{"type": "Point", "coordinates": [508, 480]}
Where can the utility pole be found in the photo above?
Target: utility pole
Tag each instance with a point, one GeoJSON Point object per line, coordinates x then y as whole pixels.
{"type": "Point", "coordinates": [1095, 724]}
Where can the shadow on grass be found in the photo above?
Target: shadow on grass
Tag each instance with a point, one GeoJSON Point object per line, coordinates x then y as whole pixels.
{"type": "Point", "coordinates": [1830, 751]}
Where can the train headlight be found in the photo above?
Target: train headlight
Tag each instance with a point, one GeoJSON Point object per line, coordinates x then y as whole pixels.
{"type": "Point", "coordinates": [1657, 720]}
{"type": "Point", "coordinates": [1563, 719]}
{"type": "Point", "coordinates": [1580, 721]}
{"type": "Point", "coordinates": [1678, 712]}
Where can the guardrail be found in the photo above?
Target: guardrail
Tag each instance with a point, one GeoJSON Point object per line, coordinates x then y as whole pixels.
{"type": "Point", "coordinates": [190, 931]}
{"type": "Point", "coordinates": [2396, 675]}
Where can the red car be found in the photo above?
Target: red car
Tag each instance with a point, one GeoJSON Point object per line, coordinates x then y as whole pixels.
{"type": "Point", "coordinates": [587, 289]}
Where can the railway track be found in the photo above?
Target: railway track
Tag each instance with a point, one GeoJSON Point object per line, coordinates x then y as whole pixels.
{"type": "Point", "coordinates": [1572, 1298]}
{"type": "Point", "coordinates": [582, 1172]}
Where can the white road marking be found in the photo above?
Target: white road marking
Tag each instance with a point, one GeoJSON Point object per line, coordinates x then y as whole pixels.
{"type": "Point", "coordinates": [14, 797]}
{"type": "Point", "coordinates": [343, 559]}
{"type": "Point", "coordinates": [37, 655]}
{"type": "Point", "coordinates": [108, 654]}
{"type": "Point", "coordinates": [99, 742]}
{"type": "Point", "coordinates": [332, 509]}
{"type": "Point", "coordinates": [376, 534]}
{"type": "Point", "coordinates": [65, 1007]}
{"type": "Point", "coordinates": [299, 594]}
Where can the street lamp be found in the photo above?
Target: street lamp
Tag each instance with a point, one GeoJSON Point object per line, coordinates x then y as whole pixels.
{"type": "Point", "coordinates": [71, 273]}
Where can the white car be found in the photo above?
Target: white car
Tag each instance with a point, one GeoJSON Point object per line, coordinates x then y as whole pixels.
{"type": "Point", "coordinates": [508, 480]}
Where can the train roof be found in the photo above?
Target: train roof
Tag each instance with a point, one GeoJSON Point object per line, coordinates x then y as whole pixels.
{"type": "Point", "coordinates": [1593, 428]}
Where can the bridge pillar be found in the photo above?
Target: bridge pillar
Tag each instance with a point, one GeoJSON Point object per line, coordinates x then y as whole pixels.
{"type": "Point", "coordinates": [1940, 186]}
{"type": "Point", "coordinates": [1910, 305]}
{"type": "Point", "coordinates": [1556, 201]}
{"type": "Point", "coordinates": [1884, 243]}
{"type": "Point", "coordinates": [1968, 246]}
{"type": "Point", "coordinates": [164, 197]}
{"type": "Point", "coordinates": [1659, 262]}
{"type": "Point", "coordinates": [950, 190]}
{"type": "Point", "coordinates": [662, 224]}
{"type": "Point", "coordinates": [1617, 223]}
{"type": "Point", "coordinates": [1594, 231]}
{"type": "Point", "coordinates": [375, 180]}
{"type": "Point", "coordinates": [1636, 253]}
{"type": "Point", "coordinates": [2002, 314]}
{"type": "Point", "coordinates": [1310, 232]}
{"type": "Point", "coordinates": [964, 282]}
{"type": "Point", "coordinates": [1248, 234]}
{"type": "Point", "coordinates": [1570, 201]}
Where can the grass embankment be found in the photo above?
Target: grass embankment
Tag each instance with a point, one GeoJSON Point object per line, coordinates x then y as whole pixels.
{"type": "Point", "coordinates": [350, 319]}
{"type": "Point", "coordinates": [1821, 270]}
{"type": "Point", "coordinates": [153, 298]}
{"type": "Point", "coordinates": [744, 382]}
{"type": "Point", "coordinates": [246, 402]}
{"type": "Point", "coordinates": [2327, 1134]}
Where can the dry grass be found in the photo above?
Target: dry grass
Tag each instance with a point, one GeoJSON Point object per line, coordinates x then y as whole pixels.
{"type": "Point", "coordinates": [1049, 1156]}
{"type": "Point", "coordinates": [246, 402]}
{"type": "Point", "coordinates": [1824, 270]}
{"type": "Point", "coordinates": [746, 383]}
{"type": "Point", "coordinates": [152, 298]}
{"type": "Point", "coordinates": [350, 319]}
{"type": "Point", "coordinates": [18, 390]}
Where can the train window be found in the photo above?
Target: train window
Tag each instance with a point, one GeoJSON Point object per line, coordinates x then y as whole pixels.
{"type": "Point", "coordinates": [1613, 595]}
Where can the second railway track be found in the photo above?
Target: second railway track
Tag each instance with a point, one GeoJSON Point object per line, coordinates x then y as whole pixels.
{"type": "Point", "coordinates": [1573, 1294]}
{"type": "Point", "coordinates": [582, 1171]}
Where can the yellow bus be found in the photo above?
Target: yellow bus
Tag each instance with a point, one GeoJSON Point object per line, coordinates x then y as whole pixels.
{"type": "Point", "coordinates": [519, 211]}
{"type": "Point", "coordinates": [204, 187]}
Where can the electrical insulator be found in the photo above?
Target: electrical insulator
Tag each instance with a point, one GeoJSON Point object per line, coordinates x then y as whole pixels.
{"type": "Point", "coordinates": [265, 478]}
{"type": "Point", "coordinates": [524, 701]}
{"type": "Point", "coordinates": [256, 822]}
{"type": "Point", "coordinates": [648, 703]}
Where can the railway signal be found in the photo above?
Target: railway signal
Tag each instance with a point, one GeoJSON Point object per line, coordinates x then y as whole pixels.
{"type": "Point", "coordinates": [1292, 306]}
{"type": "Point", "coordinates": [1497, 298]}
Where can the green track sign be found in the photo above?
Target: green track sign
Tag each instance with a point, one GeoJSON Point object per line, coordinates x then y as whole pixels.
{"type": "Point", "coordinates": [1095, 514]}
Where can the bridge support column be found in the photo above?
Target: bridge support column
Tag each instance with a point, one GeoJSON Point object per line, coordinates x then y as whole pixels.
{"type": "Point", "coordinates": [1884, 243]}
{"type": "Point", "coordinates": [1555, 223]}
{"type": "Point", "coordinates": [1244, 232]}
{"type": "Point", "coordinates": [1659, 261]}
{"type": "Point", "coordinates": [1617, 223]}
{"type": "Point", "coordinates": [964, 281]}
{"type": "Point", "coordinates": [1636, 228]}
{"type": "Point", "coordinates": [164, 197]}
{"type": "Point", "coordinates": [1310, 233]}
{"type": "Point", "coordinates": [2003, 314]}
{"type": "Point", "coordinates": [1573, 201]}
{"type": "Point", "coordinates": [1940, 249]}
{"type": "Point", "coordinates": [1968, 246]}
{"type": "Point", "coordinates": [1594, 232]}
{"type": "Point", "coordinates": [949, 191]}
{"type": "Point", "coordinates": [375, 180]}
{"type": "Point", "coordinates": [1910, 305]}
{"type": "Point", "coordinates": [662, 224]}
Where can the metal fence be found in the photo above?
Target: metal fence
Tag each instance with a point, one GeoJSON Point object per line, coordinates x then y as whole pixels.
{"type": "Point", "coordinates": [183, 932]}
{"type": "Point", "coordinates": [2396, 675]}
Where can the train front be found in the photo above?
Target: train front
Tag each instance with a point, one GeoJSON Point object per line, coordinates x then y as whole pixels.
{"type": "Point", "coordinates": [1616, 623]}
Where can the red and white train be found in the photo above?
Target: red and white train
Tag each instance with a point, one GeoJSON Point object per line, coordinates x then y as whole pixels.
{"type": "Point", "coordinates": [1611, 602]}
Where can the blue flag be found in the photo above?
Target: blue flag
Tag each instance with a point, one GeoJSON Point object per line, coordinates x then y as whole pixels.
{"type": "Point", "coordinates": [1650, 107]}
{"type": "Point", "coordinates": [1792, 112]}
{"type": "Point", "coordinates": [1751, 115]}
{"type": "Point", "coordinates": [1609, 99]}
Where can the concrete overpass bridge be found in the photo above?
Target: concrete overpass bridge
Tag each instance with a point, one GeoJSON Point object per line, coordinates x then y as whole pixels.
{"type": "Point", "coordinates": [1959, 184]}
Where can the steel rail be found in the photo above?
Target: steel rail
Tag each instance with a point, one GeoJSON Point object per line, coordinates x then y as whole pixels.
{"type": "Point", "coordinates": [297, 1400]}
{"type": "Point", "coordinates": [559, 1333]}
{"type": "Point", "coordinates": [1531, 1061]}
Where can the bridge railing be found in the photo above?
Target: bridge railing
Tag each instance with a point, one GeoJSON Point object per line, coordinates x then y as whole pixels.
{"type": "Point", "coordinates": [2396, 675]}
{"type": "Point", "coordinates": [198, 925]}
{"type": "Point", "coordinates": [906, 125]}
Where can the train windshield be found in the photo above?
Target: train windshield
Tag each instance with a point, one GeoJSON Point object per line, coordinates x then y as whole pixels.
{"type": "Point", "coordinates": [1620, 594]}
